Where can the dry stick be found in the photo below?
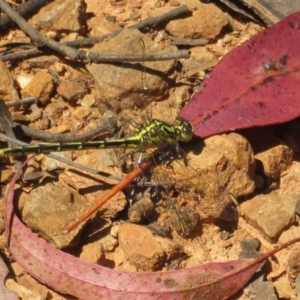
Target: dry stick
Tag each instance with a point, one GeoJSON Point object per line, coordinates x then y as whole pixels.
{"type": "Point", "coordinates": [100, 58]}
{"type": "Point", "coordinates": [105, 129]}
{"type": "Point", "coordinates": [176, 12]}
{"type": "Point", "coordinates": [103, 58]}
{"type": "Point", "coordinates": [117, 188]}
{"type": "Point", "coordinates": [26, 100]}
{"type": "Point", "coordinates": [162, 18]}
{"type": "Point", "coordinates": [25, 9]}
{"type": "Point", "coordinates": [37, 38]}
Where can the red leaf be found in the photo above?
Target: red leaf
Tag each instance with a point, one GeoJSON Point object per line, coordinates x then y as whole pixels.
{"type": "Point", "coordinates": [68, 274]}
{"type": "Point", "coordinates": [256, 84]}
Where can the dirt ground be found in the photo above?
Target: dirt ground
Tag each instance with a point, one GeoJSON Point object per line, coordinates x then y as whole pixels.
{"type": "Point", "coordinates": [79, 101]}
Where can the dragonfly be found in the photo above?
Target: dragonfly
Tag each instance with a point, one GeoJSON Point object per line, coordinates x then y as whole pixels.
{"type": "Point", "coordinates": [160, 140]}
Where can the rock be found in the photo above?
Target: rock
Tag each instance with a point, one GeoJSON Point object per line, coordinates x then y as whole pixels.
{"type": "Point", "coordinates": [92, 252]}
{"type": "Point", "coordinates": [88, 101]}
{"type": "Point", "coordinates": [6, 176]}
{"type": "Point", "coordinates": [51, 207]}
{"type": "Point", "coordinates": [140, 247]}
{"type": "Point", "coordinates": [271, 214]}
{"type": "Point", "coordinates": [207, 21]}
{"type": "Point", "coordinates": [283, 288]}
{"type": "Point", "coordinates": [82, 112]}
{"type": "Point", "coordinates": [72, 90]}
{"type": "Point", "coordinates": [109, 243]}
{"type": "Point", "coordinates": [290, 180]}
{"type": "Point", "coordinates": [54, 111]}
{"type": "Point", "coordinates": [60, 15]}
{"type": "Point", "coordinates": [94, 187]}
{"type": "Point", "coordinates": [100, 25]}
{"type": "Point", "coordinates": [23, 292]}
{"type": "Point", "coordinates": [7, 90]}
{"type": "Point", "coordinates": [272, 155]}
{"type": "Point", "coordinates": [291, 233]}
{"type": "Point", "coordinates": [41, 86]}
{"type": "Point", "coordinates": [293, 263]}
{"type": "Point", "coordinates": [260, 290]}
{"type": "Point", "coordinates": [232, 167]}
{"type": "Point", "coordinates": [123, 86]}
{"type": "Point", "coordinates": [249, 248]}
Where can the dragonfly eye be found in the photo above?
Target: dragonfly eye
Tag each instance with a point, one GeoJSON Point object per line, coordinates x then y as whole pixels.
{"type": "Point", "coordinates": [186, 129]}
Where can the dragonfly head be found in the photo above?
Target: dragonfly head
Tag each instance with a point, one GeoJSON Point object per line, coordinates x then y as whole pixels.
{"type": "Point", "coordinates": [185, 128]}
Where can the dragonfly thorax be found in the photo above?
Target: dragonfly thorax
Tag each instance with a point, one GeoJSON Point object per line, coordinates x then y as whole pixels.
{"type": "Point", "coordinates": [158, 133]}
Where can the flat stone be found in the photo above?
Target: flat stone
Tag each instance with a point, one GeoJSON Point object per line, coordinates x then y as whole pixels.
{"type": "Point", "coordinates": [92, 252]}
{"type": "Point", "coordinates": [290, 180]}
{"type": "Point", "coordinates": [260, 290]}
{"type": "Point", "coordinates": [72, 90]}
{"type": "Point", "coordinates": [123, 87]}
{"type": "Point", "coordinates": [60, 15]}
{"type": "Point", "coordinates": [273, 155]}
{"type": "Point", "coordinates": [51, 207]}
{"type": "Point", "coordinates": [233, 167]}
{"type": "Point", "coordinates": [271, 214]}
{"type": "Point", "coordinates": [140, 247]}
{"type": "Point", "coordinates": [207, 21]}
{"type": "Point", "coordinates": [283, 288]}
{"type": "Point", "coordinates": [41, 86]}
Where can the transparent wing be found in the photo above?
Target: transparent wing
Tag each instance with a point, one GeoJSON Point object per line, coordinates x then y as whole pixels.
{"type": "Point", "coordinates": [193, 185]}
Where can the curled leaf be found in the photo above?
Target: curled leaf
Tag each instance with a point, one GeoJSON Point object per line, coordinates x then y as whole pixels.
{"type": "Point", "coordinates": [70, 275]}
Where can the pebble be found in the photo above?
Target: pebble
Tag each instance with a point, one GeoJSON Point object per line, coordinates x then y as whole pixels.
{"type": "Point", "coordinates": [140, 247]}
{"type": "Point", "coordinates": [260, 290]}
{"type": "Point", "coordinates": [273, 155]}
{"type": "Point", "coordinates": [60, 15]}
{"type": "Point", "coordinates": [233, 167]}
{"type": "Point", "coordinates": [92, 252]}
{"type": "Point", "coordinates": [283, 288]}
{"type": "Point", "coordinates": [51, 207]}
{"type": "Point", "coordinates": [72, 90]}
{"type": "Point", "coordinates": [41, 86]}
{"type": "Point", "coordinates": [271, 213]}
{"type": "Point", "coordinates": [207, 21]}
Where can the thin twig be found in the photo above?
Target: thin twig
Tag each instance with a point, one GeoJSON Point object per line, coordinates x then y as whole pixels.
{"type": "Point", "coordinates": [26, 100]}
{"type": "Point", "coordinates": [103, 58]}
{"type": "Point", "coordinates": [85, 55]}
{"type": "Point", "coordinates": [172, 14]}
{"type": "Point", "coordinates": [37, 38]}
{"type": "Point", "coordinates": [67, 137]}
{"type": "Point", "coordinates": [25, 9]}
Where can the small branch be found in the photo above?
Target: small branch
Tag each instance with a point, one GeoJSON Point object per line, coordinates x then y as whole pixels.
{"type": "Point", "coordinates": [37, 38]}
{"type": "Point", "coordinates": [26, 9]}
{"type": "Point", "coordinates": [105, 58]}
{"type": "Point", "coordinates": [27, 100]}
{"type": "Point", "coordinates": [49, 137]}
{"type": "Point", "coordinates": [162, 18]}
{"type": "Point", "coordinates": [74, 54]}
